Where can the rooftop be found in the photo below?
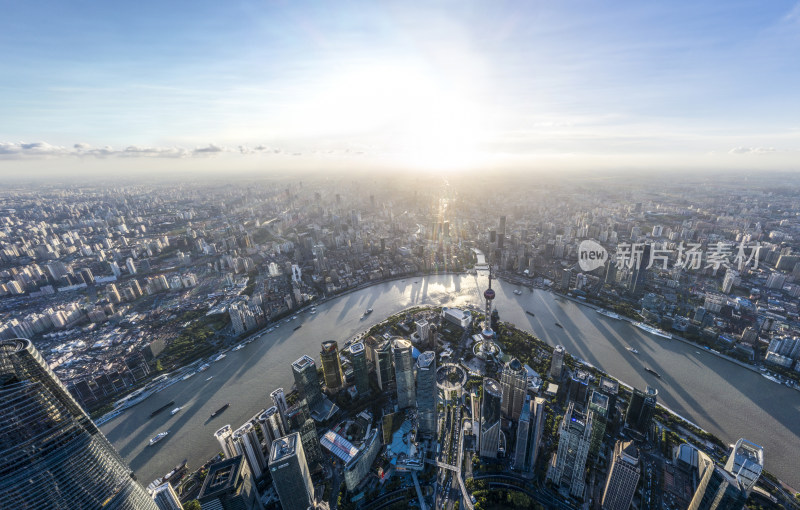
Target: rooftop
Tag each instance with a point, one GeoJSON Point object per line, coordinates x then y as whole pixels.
{"type": "Point", "coordinates": [356, 348]}
{"type": "Point", "coordinates": [303, 362]}
{"type": "Point", "coordinates": [426, 359]}
{"type": "Point", "coordinates": [221, 477]}
{"type": "Point", "coordinates": [283, 447]}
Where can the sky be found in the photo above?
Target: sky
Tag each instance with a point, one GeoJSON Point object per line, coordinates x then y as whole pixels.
{"type": "Point", "coordinates": [430, 86]}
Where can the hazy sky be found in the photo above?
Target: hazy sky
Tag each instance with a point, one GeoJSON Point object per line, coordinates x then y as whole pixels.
{"type": "Point", "coordinates": [434, 85]}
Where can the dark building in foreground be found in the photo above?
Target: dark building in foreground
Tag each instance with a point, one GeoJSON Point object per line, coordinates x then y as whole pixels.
{"type": "Point", "coordinates": [52, 455]}
{"type": "Point", "coordinates": [641, 409]}
{"type": "Point", "coordinates": [229, 485]}
{"type": "Point", "coordinates": [307, 380]}
{"type": "Point", "coordinates": [623, 476]}
{"type": "Point", "coordinates": [290, 475]}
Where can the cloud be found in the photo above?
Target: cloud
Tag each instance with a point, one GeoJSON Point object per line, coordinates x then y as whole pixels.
{"type": "Point", "coordinates": [752, 150]}
{"type": "Point", "coordinates": [211, 149]}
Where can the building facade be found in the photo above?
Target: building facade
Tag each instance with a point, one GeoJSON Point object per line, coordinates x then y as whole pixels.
{"type": "Point", "coordinates": [623, 476]}
{"type": "Point", "coordinates": [307, 380]}
{"type": "Point", "coordinates": [52, 455]}
{"type": "Point", "coordinates": [331, 365]}
{"type": "Point", "coordinates": [358, 357]}
{"type": "Point", "coordinates": [290, 474]}
{"type": "Point", "coordinates": [402, 353]}
{"type": "Point", "coordinates": [427, 394]}
{"type": "Point", "coordinates": [557, 362]}
{"type": "Point", "coordinates": [491, 409]}
{"type": "Point", "coordinates": [568, 469]}
{"type": "Point", "coordinates": [514, 384]}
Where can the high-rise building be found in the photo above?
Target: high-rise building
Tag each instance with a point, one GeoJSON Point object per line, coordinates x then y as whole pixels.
{"type": "Point", "coordinates": [247, 443]}
{"type": "Point", "coordinates": [529, 434]}
{"type": "Point", "coordinates": [579, 386]}
{"type": "Point", "coordinates": [402, 353]}
{"type": "Point", "coordinates": [130, 265]}
{"type": "Point", "coordinates": [271, 424]}
{"type": "Point", "coordinates": [310, 440]}
{"type": "Point", "coordinates": [331, 365]}
{"type": "Point", "coordinates": [230, 484]}
{"type": "Point", "coordinates": [290, 474]}
{"type": "Point", "coordinates": [557, 362]}
{"type": "Point", "coordinates": [358, 357]}
{"type": "Point", "coordinates": [423, 331]}
{"type": "Point", "coordinates": [568, 468]}
{"type": "Point", "coordinates": [279, 401]}
{"type": "Point", "coordinates": [490, 418]}
{"type": "Point", "coordinates": [224, 436]}
{"type": "Point", "coordinates": [166, 498]}
{"type": "Point", "coordinates": [52, 455]}
{"type": "Point", "coordinates": [307, 380]}
{"type": "Point", "coordinates": [379, 354]}
{"type": "Point", "coordinates": [610, 388]}
{"type": "Point", "coordinates": [598, 406]}
{"type": "Point", "coordinates": [641, 409]}
{"type": "Point", "coordinates": [746, 463]}
{"type": "Point", "coordinates": [716, 489]}
{"type": "Point", "coordinates": [623, 475]}
{"type": "Point", "coordinates": [639, 270]}
{"type": "Point", "coordinates": [514, 384]}
{"type": "Point", "coordinates": [426, 394]}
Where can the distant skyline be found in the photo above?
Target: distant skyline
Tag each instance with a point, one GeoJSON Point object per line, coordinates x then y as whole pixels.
{"type": "Point", "coordinates": [425, 86]}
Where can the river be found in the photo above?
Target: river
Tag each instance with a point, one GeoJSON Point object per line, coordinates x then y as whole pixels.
{"type": "Point", "coordinates": [724, 399]}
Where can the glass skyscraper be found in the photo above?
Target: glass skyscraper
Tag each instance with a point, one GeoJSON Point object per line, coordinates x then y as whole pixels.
{"type": "Point", "coordinates": [52, 455]}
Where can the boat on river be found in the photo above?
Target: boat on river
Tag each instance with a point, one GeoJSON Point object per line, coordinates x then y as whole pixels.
{"type": "Point", "coordinates": [220, 410]}
{"type": "Point", "coordinates": [608, 313]}
{"type": "Point", "coordinates": [652, 330]}
{"type": "Point", "coordinates": [161, 408]}
{"type": "Point", "coordinates": [158, 437]}
{"type": "Point", "coordinates": [653, 372]}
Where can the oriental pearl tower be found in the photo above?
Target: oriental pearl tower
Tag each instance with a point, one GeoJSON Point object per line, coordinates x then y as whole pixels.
{"type": "Point", "coordinates": [488, 295]}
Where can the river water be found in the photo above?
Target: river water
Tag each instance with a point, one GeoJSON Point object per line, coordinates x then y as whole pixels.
{"type": "Point", "coordinates": [723, 398]}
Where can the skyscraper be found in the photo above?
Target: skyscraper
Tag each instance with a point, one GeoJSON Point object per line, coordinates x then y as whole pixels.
{"type": "Point", "coordinates": [623, 475]}
{"type": "Point", "coordinates": [279, 401]}
{"type": "Point", "coordinates": [557, 362]}
{"type": "Point", "coordinates": [426, 393]}
{"type": "Point", "coordinates": [166, 498]}
{"type": "Point", "coordinates": [640, 270]}
{"type": "Point", "coordinates": [230, 484]}
{"type": "Point", "coordinates": [290, 474]}
{"type": "Point", "coordinates": [224, 436]}
{"type": "Point", "coordinates": [746, 463]}
{"type": "Point", "coordinates": [717, 489]}
{"type": "Point", "coordinates": [404, 372]}
{"type": "Point", "coordinates": [529, 434]}
{"type": "Point", "coordinates": [248, 444]}
{"type": "Point", "coordinates": [358, 357]}
{"type": "Point", "coordinates": [271, 424]}
{"type": "Point", "coordinates": [568, 468]}
{"type": "Point", "coordinates": [379, 353]}
{"type": "Point", "coordinates": [51, 453]}
{"type": "Point", "coordinates": [598, 406]}
{"type": "Point", "coordinates": [299, 420]}
{"type": "Point", "coordinates": [490, 418]}
{"type": "Point", "coordinates": [307, 380]}
{"type": "Point", "coordinates": [331, 365]}
{"type": "Point", "coordinates": [514, 383]}
{"type": "Point", "coordinates": [641, 409]}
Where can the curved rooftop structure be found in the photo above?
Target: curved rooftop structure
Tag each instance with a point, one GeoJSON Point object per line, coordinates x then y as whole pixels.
{"type": "Point", "coordinates": [492, 387]}
{"type": "Point", "coordinates": [356, 348]}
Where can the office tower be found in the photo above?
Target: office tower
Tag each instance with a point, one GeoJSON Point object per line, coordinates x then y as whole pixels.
{"type": "Point", "coordinates": [248, 444]}
{"type": "Point", "coordinates": [229, 484]}
{"type": "Point", "coordinates": [746, 463]}
{"type": "Point", "coordinates": [611, 273]}
{"type": "Point", "coordinates": [529, 434]}
{"type": "Point", "coordinates": [598, 406]}
{"type": "Point", "coordinates": [307, 380]}
{"type": "Point", "coordinates": [423, 331]}
{"type": "Point", "coordinates": [379, 353]}
{"type": "Point", "coordinates": [566, 279]}
{"type": "Point", "coordinates": [579, 386]}
{"type": "Point", "coordinates": [290, 474]}
{"type": "Point", "coordinates": [514, 384]}
{"type": "Point", "coordinates": [130, 265]}
{"type": "Point", "coordinates": [641, 409]}
{"type": "Point", "coordinates": [623, 475]}
{"type": "Point", "coordinates": [610, 388]}
{"type": "Point", "coordinates": [297, 415]}
{"type": "Point", "coordinates": [271, 424]}
{"type": "Point", "coordinates": [404, 372]}
{"type": "Point", "coordinates": [568, 468]}
{"type": "Point", "coordinates": [716, 489]}
{"type": "Point", "coordinates": [224, 437]}
{"type": "Point", "coordinates": [331, 365]}
{"type": "Point", "coordinates": [358, 357]}
{"type": "Point", "coordinates": [310, 440]}
{"type": "Point", "coordinates": [52, 455]}
{"type": "Point", "coordinates": [166, 498]}
{"type": "Point", "coordinates": [557, 363]}
{"type": "Point", "coordinates": [426, 394]}
{"type": "Point", "coordinates": [490, 418]}
{"type": "Point", "coordinates": [279, 401]}
{"type": "Point", "coordinates": [299, 420]}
